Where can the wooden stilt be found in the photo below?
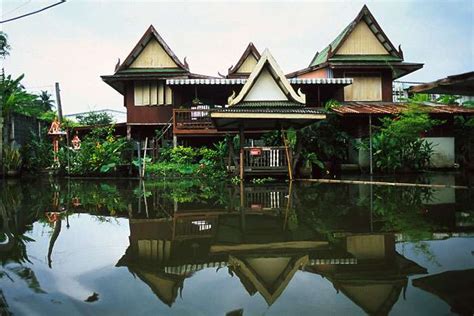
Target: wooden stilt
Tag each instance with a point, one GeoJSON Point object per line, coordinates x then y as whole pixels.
{"type": "Point", "coordinates": [242, 143]}
{"type": "Point", "coordinates": [288, 157]}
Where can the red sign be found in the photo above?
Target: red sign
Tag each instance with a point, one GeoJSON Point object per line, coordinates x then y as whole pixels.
{"type": "Point", "coordinates": [255, 151]}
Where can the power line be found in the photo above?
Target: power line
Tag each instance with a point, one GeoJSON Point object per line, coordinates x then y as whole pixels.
{"type": "Point", "coordinates": [31, 13]}
{"type": "Point", "coordinates": [13, 10]}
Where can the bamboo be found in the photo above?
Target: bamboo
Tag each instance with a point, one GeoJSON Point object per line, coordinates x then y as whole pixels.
{"type": "Point", "coordinates": [285, 141]}
{"type": "Point", "coordinates": [144, 157]}
{"type": "Point", "coordinates": [400, 184]}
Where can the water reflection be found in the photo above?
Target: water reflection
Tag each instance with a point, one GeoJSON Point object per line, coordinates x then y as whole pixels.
{"type": "Point", "coordinates": [260, 235]}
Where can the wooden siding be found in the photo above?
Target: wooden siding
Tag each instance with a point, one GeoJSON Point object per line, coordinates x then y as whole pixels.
{"type": "Point", "coordinates": [248, 65]}
{"type": "Point", "coordinates": [385, 74]}
{"type": "Point", "coordinates": [145, 114]}
{"type": "Point", "coordinates": [364, 88]}
{"type": "Point", "coordinates": [362, 41]}
{"type": "Point", "coordinates": [152, 93]}
{"type": "Point", "coordinates": [153, 56]}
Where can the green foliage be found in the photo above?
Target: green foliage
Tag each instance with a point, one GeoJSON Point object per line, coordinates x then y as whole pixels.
{"type": "Point", "coordinates": [188, 161]}
{"type": "Point", "coordinates": [464, 134]}
{"type": "Point", "coordinates": [330, 104]}
{"type": "Point", "coordinates": [447, 99]}
{"type": "Point", "coordinates": [38, 152]}
{"type": "Point", "coordinates": [327, 138]}
{"type": "Point", "coordinates": [95, 118]}
{"type": "Point", "coordinates": [100, 152]}
{"type": "Point", "coordinates": [310, 158]}
{"type": "Point", "coordinates": [397, 144]}
{"type": "Point", "coordinates": [273, 138]}
{"type": "Point", "coordinates": [11, 158]}
{"type": "Point", "coordinates": [262, 180]}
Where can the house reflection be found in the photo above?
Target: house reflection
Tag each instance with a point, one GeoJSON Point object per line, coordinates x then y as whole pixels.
{"type": "Point", "coordinates": [264, 247]}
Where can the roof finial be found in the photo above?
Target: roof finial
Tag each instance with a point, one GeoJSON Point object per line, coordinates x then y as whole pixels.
{"type": "Point", "coordinates": [186, 63]}
{"type": "Point", "coordinates": [400, 52]}
{"type": "Point", "coordinates": [117, 66]}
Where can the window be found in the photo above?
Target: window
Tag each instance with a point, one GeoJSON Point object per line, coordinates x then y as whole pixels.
{"type": "Point", "coordinates": [152, 93]}
{"type": "Point", "coordinates": [364, 88]}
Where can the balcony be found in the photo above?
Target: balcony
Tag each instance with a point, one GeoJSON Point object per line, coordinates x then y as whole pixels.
{"type": "Point", "coordinates": [193, 122]}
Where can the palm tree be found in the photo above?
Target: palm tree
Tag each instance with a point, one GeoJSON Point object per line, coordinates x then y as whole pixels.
{"type": "Point", "coordinates": [4, 47]}
{"type": "Point", "coordinates": [45, 102]}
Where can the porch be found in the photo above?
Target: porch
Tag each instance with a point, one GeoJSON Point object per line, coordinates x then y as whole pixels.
{"type": "Point", "coordinates": [193, 122]}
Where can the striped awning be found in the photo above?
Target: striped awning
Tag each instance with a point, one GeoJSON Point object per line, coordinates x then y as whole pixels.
{"type": "Point", "coordinates": [227, 81]}
{"type": "Point", "coordinates": [343, 81]}
{"type": "Point", "coordinates": [213, 81]}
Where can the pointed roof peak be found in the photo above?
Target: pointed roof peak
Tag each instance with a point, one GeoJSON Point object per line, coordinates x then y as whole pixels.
{"type": "Point", "coordinates": [363, 15]}
{"type": "Point", "coordinates": [267, 62]}
{"type": "Point", "coordinates": [150, 34]}
{"type": "Point", "coordinates": [250, 50]}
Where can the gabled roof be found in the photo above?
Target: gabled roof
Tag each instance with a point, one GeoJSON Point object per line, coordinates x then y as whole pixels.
{"type": "Point", "coordinates": [269, 279]}
{"type": "Point", "coordinates": [268, 64]}
{"type": "Point", "coordinates": [250, 51]}
{"type": "Point", "coordinates": [364, 16]}
{"type": "Point", "coordinates": [149, 35]}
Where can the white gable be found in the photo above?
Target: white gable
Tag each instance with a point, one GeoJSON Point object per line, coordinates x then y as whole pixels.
{"type": "Point", "coordinates": [262, 85]}
{"type": "Point", "coordinates": [153, 56]}
{"type": "Point", "coordinates": [265, 88]}
{"type": "Point", "coordinates": [362, 41]}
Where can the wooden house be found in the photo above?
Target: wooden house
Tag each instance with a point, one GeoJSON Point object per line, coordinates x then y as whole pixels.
{"type": "Point", "coordinates": [166, 101]}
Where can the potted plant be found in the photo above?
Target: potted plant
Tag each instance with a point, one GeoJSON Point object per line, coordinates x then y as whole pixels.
{"type": "Point", "coordinates": [12, 161]}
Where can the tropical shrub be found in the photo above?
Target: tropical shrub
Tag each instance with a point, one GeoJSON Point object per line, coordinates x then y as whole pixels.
{"type": "Point", "coordinates": [11, 158]}
{"type": "Point", "coordinates": [397, 144]}
{"type": "Point", "coordinates": [38, 153]}
{"type": "Point", "coordinates": [100, 152]}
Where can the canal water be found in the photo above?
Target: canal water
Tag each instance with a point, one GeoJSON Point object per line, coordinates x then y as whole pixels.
{"type": "Point", "coordinates": [84, 247]}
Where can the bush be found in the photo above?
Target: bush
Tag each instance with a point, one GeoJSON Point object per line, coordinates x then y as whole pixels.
{"type": "Point", "coordinates": [397, 144]}
{"type": "Point", "coordinates": [100, 152]}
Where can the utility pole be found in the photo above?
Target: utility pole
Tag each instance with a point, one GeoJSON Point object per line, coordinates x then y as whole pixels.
{"type": "Point", "coordinates": [58, 103]}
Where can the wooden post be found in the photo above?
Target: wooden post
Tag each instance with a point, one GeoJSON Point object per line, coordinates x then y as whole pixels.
{"type": "Point", "coordinates": [144, 156]}
{"type": "Point", "coordinates": [288, 158]}
{"type": "Point", "coordinates": [370, 144]}
{"type": "Point", "coordinates": [58, 103]}
{"type": "Point", "coordinates": [242, 143]}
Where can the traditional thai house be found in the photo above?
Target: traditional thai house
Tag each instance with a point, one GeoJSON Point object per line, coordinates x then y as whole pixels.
{"type": "Point", "coordinates": [166, 101]}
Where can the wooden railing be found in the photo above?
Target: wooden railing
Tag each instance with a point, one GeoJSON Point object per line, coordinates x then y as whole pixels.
{"type": "Point", "coordinates": [265, 159]}
{"type": "Point", "coordinates": [192, 119]}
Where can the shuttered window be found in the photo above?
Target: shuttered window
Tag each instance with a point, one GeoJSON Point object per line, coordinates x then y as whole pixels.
{"type": "Point", "coordinates": [363, 88]}
{"type": "Point", "coordinates": [152, 93]}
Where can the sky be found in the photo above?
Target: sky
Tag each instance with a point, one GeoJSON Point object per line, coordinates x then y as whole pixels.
{"type": "Point", "coordinates": [76, 42]}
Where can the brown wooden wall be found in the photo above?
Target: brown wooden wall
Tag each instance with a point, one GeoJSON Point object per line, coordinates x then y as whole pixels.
{"type": "Point", "coordinates": [145, 114]}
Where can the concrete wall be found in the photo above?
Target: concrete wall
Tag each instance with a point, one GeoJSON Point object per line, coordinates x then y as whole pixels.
{"type": "Point", "coordinates": [443, 156]}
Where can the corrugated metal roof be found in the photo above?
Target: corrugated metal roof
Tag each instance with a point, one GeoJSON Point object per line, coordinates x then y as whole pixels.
{"type": "Point", "coordinates": [282, 110]}
{"type": "Point", "coordinates": [268, 104]}
{"type": "Point", "coordinates": [238, 81]}
{"type": "Point", "coordinates": [344, 81]}
{"type": "Point", "coordinates": [381, 108]}
{"type": "Point", "coordinates": [217, 81]}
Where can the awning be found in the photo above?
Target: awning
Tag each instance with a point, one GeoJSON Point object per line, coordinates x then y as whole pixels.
{"type": "Point", "coordinates": [462, 84]}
